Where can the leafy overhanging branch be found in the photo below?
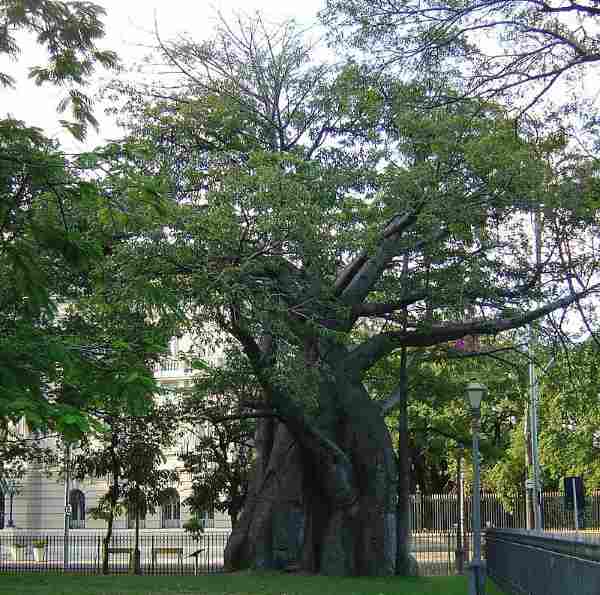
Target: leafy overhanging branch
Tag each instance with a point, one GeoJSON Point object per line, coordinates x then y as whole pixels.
{"type": "Point", "coordinates": [373, 349]}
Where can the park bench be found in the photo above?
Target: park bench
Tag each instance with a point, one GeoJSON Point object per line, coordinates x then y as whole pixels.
{"type": "Point", "coordinates": [169, 552]}
{"type": "Point", "coordinates": [122, 550]}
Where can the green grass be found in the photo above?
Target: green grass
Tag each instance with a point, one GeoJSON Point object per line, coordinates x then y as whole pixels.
{"type": "Point", "coordinates": [242, 583]}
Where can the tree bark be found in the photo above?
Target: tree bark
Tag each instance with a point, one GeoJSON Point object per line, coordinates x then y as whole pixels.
{"type": "Point", "coordinates": [293, 516]}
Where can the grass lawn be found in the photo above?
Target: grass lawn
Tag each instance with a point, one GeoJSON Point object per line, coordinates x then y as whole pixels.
{"type": "Point", "coordinates": [241, 583]}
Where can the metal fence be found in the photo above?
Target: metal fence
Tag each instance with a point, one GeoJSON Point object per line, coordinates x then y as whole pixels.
{"type": "Point", "coordinates": [440, 553]}
{"type": "Point", "coordinates": [160, 553]}
{"type": "Point", "coordinates": [440, 542]}
{"type": "Point", "coordinates": [441, 512]}
{"type": "Point", "coordinates": [168, 553]}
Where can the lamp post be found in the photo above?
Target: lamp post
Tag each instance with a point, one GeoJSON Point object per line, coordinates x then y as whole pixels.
{"type": "Point", "coordinates": [475, 393]}
{"type": "Point", "coordinates": [10, 486]}
{"type": "Point", "coordinates": [67, 506]}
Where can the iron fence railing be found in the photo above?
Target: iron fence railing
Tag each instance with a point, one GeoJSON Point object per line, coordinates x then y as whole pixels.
{"type": "Point", "coordinates": [440, 543]}
{"type": "Point", "coordinates": [436, 553]}
{"type": "Point", "coordinates": [160, 553]}
{"type": "Point", "coordinates": [441, 512]}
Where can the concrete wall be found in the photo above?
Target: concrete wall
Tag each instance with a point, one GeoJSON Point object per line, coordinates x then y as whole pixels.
{"type": "Point", "coordinates": [543, 563]}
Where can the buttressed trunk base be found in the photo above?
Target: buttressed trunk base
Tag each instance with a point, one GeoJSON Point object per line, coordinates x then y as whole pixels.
{"type": "Point", "coordinates": [291, 521]}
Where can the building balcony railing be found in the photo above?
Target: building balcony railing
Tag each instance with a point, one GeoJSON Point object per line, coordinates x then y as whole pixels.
{"type": "Point", "coordinates": [172, 367]}
{"type": "Point", "coordinates": [170, 523]}
{"type": "Point", "coordinates": [131, 523]}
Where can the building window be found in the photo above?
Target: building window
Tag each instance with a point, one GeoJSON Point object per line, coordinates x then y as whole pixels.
{"type": "Point", "coordinates": [77, 502]}
{"type": "Point", "coordinates": [207, 518]}
{"type": "Point", "coordinates": [131, 516]}
{"type": "Point", "coordinates": [170, 509]}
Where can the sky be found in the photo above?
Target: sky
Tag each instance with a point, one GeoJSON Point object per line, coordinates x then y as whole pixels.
{"type": "Point", "coordinates": [130, 32]}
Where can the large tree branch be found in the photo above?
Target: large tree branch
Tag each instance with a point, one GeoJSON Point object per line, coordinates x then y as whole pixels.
{"type": "Point", "coordinates": [365, 276]}
{"type": "Point", "coordinates": [372, 350]}
{"type": "Point", "coordinates": [329, 459]}
{"type": "Point", "coordinates": [349, 271]}
{"type": "Point", "coordinates": [379, 309]}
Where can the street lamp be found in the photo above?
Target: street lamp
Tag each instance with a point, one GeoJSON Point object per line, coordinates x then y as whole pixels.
{"type": "Point", "coordinates": [68, 510]}
{"type": "Point", "coordinates": [10, 486]}
{"type": "Point", "coordinates": [475, 393]}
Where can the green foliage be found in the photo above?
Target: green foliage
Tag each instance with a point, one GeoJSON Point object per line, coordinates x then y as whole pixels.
{"type": "Point", "coordinates": [507, 476]}
{"type": "Point", "coordinates": [194, 527]}
{"type": "Point", "coordinates": [130, 450]}
{"type": "Point", "coordinates": [220, 409]}
{"type": "Point", "coordinates": [43, 252]}
{"type": "Point", "coordinates": [489, 49]}
{"type": "Point", "coordinates": [69, 334]}
{"type": "Point", "coordinates": [69, 32]}
{"type": "Point", "coordinates": [570, 418]}
{"type": "Point", "coordinates": [440, 420]}
{"type": "Point", "coordinates": [51, 245]}
{"type": "Point", "coordinates": [105, 510]}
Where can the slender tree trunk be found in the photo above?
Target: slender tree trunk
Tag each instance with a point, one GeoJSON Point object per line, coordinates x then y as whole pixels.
{"type": "Point", "coordinates": [113, 500]}
{"type": "Point", "coordinates": [403, 567]}
{"type": "Point", "coordinates": [106, 540]}
{"type": "Point", "coordinates": [136, 551]}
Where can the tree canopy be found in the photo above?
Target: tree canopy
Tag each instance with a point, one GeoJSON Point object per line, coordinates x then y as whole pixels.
{"type": "Point", "coordinates": [60, 346]}
{"type": "Point", "coordinates": [69, 32]}
{"type": "Point", "coordinates": [322, 219]}
{"type": "Point", "coordinates": [319, 217]}
{"type": "Point", "coordinates": [493, 48]}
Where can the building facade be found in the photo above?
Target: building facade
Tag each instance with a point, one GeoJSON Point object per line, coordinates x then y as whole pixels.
{"type": "Point", "coordinates": [43, 496]}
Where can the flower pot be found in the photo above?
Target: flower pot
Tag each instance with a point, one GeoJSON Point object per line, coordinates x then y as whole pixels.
{"type": "Point", "coordinates": [39, 553]}
{"type": "Point", "coordinates": [18, 551]}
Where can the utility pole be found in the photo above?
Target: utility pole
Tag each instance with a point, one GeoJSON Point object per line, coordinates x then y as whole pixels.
{"type": "Point", "coordinates": [460, 552]}
{"type": "Point", "coordinates": [529, 517]}
{"type": "Point", "coordinates": [533, 423]}
{"type": "Point", "coordinates": [403, 507]}
{"type": "Point", "coordinates": [533, 498]}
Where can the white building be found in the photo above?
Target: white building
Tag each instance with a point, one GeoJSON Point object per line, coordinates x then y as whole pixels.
{"type": "Point", "coordinates": [39, 505]}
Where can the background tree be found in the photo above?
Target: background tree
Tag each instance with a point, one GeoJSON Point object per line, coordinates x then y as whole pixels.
{"type": "Point", "coordinates": [114, 395]}
{"type": "Point", "coordinates": [492, 48]}
{"type": "Point", "coordinates": [131, 451]}
{"type": "Point", "coordinates": [221, 455]}
{"type": "Point", "coordinates": [569, 417]}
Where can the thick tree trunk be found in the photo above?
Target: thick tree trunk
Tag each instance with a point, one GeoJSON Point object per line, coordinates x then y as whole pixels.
{"type": "Point", "coordinates": [275, 483]}
{"type": "Point", "coordinates": [294, 518]}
